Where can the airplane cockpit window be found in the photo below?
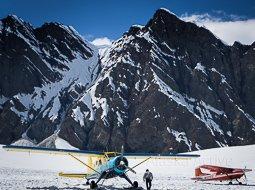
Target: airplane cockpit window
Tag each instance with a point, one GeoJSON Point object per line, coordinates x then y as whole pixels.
{"type": "Point", "coordinates": [112, 154]}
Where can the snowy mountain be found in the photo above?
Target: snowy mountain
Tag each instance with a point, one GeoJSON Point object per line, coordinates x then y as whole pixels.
{"type": "Point", "coordinates": [43, 71]}
{"type": "Point", "coordinates": [166, 85]}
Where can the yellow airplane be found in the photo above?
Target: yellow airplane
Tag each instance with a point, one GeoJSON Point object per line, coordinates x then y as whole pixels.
{"type": "Point", "coordinates": [102, 165]}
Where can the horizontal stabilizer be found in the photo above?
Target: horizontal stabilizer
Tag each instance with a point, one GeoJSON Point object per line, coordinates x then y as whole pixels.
{"type": "Point", "coordinates": [73, 175]}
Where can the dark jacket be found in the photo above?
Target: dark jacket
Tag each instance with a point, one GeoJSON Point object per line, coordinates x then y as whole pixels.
{"type": "Point", "coordinates": [148, 176]}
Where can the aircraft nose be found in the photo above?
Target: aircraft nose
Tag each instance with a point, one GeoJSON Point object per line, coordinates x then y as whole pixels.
{"type": "Point", "coordinates": [121, 163]}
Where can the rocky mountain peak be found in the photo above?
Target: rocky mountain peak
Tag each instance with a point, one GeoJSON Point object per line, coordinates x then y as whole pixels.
{"type": "Point", "coordinates": [166, 26]}
{"type": "Point", "coordinates": [241, 46]}
{"type": "Point", "coordinates": [14, 25]}
{"type": "Point", "coordinates": [43, 70]}
{"type": "Point", "coordinates": [163, 15]}
{"type": "Point", "coordinates": [57, 36]}
{"type": "Point", "coordinates": [168, 84]}
{"type": "Point", "coordinates": [164, 18]}
{"type": "Point", "coordinates": [134, 29]}
{"type": "Point", "coordinates": [13, 20]}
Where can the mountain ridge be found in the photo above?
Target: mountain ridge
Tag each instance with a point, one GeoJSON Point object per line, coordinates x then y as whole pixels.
{"type": "Point", "coordinates": [59, 58]}
{"type": "Point", "coordinates": [196, 77]}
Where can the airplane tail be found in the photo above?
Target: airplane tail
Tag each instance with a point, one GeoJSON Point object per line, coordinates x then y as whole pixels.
{"type": "Point", "coordinates": [198, 172]}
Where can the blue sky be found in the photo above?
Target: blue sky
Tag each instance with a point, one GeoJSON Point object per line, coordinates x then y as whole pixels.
{"type": "Point", "coordinates": [111, 18]}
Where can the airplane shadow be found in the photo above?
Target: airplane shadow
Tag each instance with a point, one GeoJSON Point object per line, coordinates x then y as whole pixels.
{"type": "Point", "coordinates": [78, 188]}
{"type": "Point", "coordinates": [55, 188]}
{"type": "Point", "coordinates": [110, 187]}
{"type": "Point", "coordinates": [243, 185]}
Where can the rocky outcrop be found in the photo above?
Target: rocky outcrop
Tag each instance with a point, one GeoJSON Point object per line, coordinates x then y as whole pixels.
{"type": "Point", "coordinates": [169, 84]}
{"type": "Point", "coordinates": [43, 71]}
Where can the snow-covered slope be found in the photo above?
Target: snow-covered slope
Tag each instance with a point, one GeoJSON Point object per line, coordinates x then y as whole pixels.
{"type": "Point", "coordinates": [53, 68]}
{"type": "Point", "coordinates": [169, 84]}
{"type": "Point", "coordinates": [21, 170]}
{"type": "Point", "coordinates": [166, 85]}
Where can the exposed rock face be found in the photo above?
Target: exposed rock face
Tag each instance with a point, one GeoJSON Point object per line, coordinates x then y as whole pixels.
{"type": "Point", "coordinates": [43, 71]}
{"type": "Point", "coordinates": [168, 84]}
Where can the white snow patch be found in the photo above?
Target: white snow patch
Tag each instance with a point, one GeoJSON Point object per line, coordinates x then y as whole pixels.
{"type": "Point", "coordinates": [23, 142]}
{"type": "Point", "coordinates": [123, 85]}
{"type": "Point", "coordinates": [157, 115]}
{"type": "Point", "coordinates": [120, 120]}
{"type": "Point", "coordinates": [229, 133]}
{"type": "Point", "coordinates": [138, 120]}
{"type": "Point", "coordinates": [23, 115]}
{"type": "Point", "coordinates": [53, 114]}
{"type": "Point", "coordinates": [180, 136]}
{"type": "Point", "coordinates": [248, 116]}
{"type": "Point", "coordinates": [210, 88]}
{"type": "Point", "coordinates": [125, 103]}
{"type": "Point", "coordinates": [220, 144]}
{"type": "Point", "coordinates": [165, 9]}
{"type": "Point", "coordinates": [3, 99]}
{"type": "Point", "coordinates": [198, 147]}
{"type": "Point", "coordinates": [223, 77]}
{"type": "Point", "coordinates": [205, 113]}
{"type": "Point", "coordinates": [146, 85]}
{"type": "Point", "coordinates": [63, 144]}
{"type": "Point", "coordinates": [171, 49]}
{"type": "Point", "coordinates": [200, 67]}
{"type": "Point", "coordinates": [138, 26]}
{"type": "Point", "coordinates": [78, 116]}
{"type": "Point", "coordinates": [137, 85]}
{"type": "Point", "coordinates": [105, 108]}
{"type": "Point", "coordinates": [86, 99]}
{"type": "Point", "coordinates": [81, 72]}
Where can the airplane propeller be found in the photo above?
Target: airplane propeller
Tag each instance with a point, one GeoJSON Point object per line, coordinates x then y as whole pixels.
{"type": "Point", "coordinates": [131, 169]}
{"type": "Point", "coordinates": [122, 151]}
{"type": "Point", "coordinates": [245, 177]}
{"type": "Point", "coordinates": [122, 162]}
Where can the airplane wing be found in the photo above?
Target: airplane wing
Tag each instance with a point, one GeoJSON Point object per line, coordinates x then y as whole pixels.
{"type": "Point", "coordinates": [180, 156]}
{"type": "Point", "coordinates": [53, 151]}
{"type": "Point", "coordinates": [148, 156]}
{"type": "Point", "coordinates": [219, 169]}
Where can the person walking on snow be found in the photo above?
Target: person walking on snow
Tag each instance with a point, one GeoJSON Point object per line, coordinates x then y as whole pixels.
{"type": "Point", "coordinates": [148, 177]}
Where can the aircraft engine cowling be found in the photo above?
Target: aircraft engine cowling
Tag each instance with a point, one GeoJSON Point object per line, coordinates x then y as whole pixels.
{"type": "Point", "coordinates": [121, 163]}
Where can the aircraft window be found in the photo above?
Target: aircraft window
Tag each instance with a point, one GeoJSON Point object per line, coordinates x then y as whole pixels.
{"type": "Point", "coordinates": [112, 154]}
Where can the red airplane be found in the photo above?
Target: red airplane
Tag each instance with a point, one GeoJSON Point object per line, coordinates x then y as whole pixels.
{"type": "Point", "coordinates": [217, 173]}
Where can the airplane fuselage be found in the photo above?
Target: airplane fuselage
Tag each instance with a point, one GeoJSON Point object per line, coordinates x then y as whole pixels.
{"type": "Point", "coordinates": [112, 167]}
{"type": "Point", "coordinates": [219, 177]}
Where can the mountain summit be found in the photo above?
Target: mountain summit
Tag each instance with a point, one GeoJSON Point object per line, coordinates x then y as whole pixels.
{"type": "Point", "coordinates": [43, 71]}
{"type": "Point", "coordinates": [168, 84]}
